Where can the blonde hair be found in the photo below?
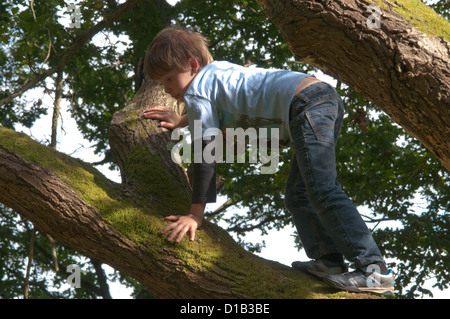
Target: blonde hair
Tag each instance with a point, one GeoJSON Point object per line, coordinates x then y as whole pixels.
{"type": "Point", "coordinates": [171, 49]}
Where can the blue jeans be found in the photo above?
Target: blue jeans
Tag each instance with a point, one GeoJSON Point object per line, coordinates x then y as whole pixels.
{"type": "Point", "coordinates": [325, 217]}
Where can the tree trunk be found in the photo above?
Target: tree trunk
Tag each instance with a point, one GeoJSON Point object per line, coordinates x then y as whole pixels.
{"type": "Point", "coordinates": [400, 69]}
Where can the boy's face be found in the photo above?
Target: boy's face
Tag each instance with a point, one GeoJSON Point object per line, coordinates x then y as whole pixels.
{"type": "Point", "coordinates": [177, 82]}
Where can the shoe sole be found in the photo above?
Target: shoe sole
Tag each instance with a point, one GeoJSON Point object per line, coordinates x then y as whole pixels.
{"type": "Point", "coordinates": [378, 291]}
{"type": "Point", "coordinates": [374, 290]}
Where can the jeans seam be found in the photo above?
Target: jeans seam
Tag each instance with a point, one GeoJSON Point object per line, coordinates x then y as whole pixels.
{"type": "Point", "coordinates": [322, 250]}
{"type": "Point", "coordinates": [336, 220]}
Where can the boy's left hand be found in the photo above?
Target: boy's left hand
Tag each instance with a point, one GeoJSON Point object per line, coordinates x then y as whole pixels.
{"type": "Point", "coordinates": [182, 225]}
{"type": "Point", "coordinates": [168, 118]}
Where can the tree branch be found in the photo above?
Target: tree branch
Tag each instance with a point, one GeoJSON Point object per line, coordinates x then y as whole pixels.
{"type": "Point", "coordinates": [405, 73]}
{"type": "Point", "coordinates": [56, 107]}
{"type": "Point", "coordinates": [102, 279]}
{"type": "Point", "coordinates": [222, 208]}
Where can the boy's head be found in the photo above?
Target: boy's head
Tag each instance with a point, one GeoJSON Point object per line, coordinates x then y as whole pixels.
{"type": "Point", "coordinates": [171, 50]}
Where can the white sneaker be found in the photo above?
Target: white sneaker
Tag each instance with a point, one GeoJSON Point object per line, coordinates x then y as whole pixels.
{"type": "Point", "coordinates": [360, 281]}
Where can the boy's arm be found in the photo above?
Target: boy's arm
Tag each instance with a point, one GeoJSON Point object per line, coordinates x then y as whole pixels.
{"type": "Point", "coordinates": [203, 191]}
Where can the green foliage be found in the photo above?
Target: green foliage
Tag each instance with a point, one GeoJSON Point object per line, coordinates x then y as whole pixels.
{"type": "Point", "coordinates": [442, 7]}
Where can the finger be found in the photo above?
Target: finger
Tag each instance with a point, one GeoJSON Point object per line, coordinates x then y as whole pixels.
{"type": "Point", "coordinates": [155, 109]}
{"type": "Point", "coordinates": [175, 232]}
{"type": "Point", "coordinates": [192, 235]}
{"type": "Point", "coordinates": [166, 125]}
{"type": "Point", "coordinates": [181, 234]}
{"type": "Point", "coordinates": [171, 226]}
{"type": "Point", "coordinates": [167, 228]}
{"type": "Point", "coordinates": [153, 115]}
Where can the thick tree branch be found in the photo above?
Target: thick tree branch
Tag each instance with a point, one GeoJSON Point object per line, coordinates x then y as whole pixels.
{"type": "Point", "coordinates": [402, 70]}
{"type": "Point", "coordinates": [166, 270]}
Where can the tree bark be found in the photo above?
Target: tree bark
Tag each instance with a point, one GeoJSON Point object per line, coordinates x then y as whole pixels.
{"type": "Point", "coordinates": [129, 129]}
{"type": "Point", "coordinates": [400, 69]}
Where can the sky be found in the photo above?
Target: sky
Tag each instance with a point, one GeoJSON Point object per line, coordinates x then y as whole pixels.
{"type": "Point", "coordinates": [279, 244]}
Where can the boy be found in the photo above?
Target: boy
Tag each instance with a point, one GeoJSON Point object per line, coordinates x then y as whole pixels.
{"type": "Point", "coordinates": [308, 114]}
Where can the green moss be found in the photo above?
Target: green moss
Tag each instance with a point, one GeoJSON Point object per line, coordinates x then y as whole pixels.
{"type": "Point", "coordinates": [132, 119]}
{"type": "Point", "coordinates": [263, 281]}
{"type": "Point", "coordinates": [418, 15]}
{"type": "Point", "coordinates": [148, 171]}
{"type": "Point", "coordinates": [138, 224]}
{"type": "Point", "coordinates": [270, 280]}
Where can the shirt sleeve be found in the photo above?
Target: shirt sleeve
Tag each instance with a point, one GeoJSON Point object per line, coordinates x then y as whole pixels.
{"type": "Point", "coordinates": [203, 119]}
{"type": "Point", "coordinates": [202, 115]}
{"type": "Point", "coordinates": [204, 179]}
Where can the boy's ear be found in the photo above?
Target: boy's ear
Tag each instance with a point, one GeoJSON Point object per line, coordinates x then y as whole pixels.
{"type": "Point", "coordinates": [194, 65]}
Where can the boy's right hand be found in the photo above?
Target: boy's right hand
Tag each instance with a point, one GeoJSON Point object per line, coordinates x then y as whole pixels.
{"type": "Point", "coordinates": [168, 118]}
{"type": "Point", "coordinates": [182, 225]}
{"type": "Point", "coordinates": [185, 224]}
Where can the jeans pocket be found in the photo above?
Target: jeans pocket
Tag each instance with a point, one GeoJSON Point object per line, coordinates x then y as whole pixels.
{"type": "Point", "coordinates": [322, 122]}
